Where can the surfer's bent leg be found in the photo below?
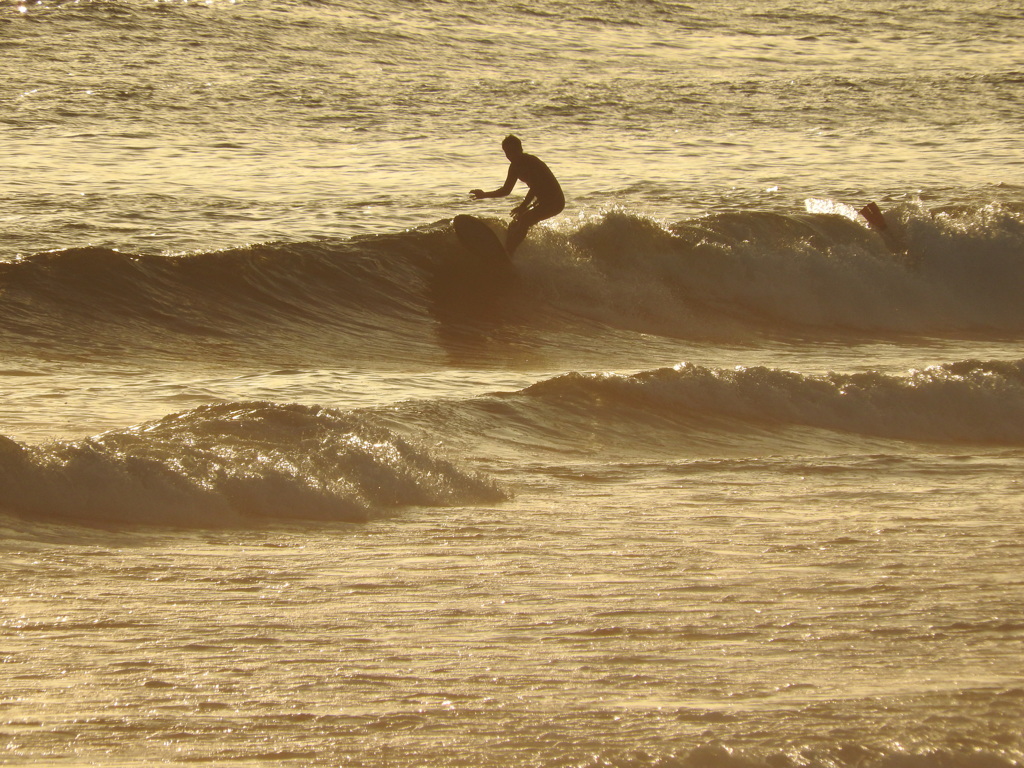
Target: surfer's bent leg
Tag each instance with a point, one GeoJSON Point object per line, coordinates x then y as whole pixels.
{"type": "Point", "coordinates": [521, 224]}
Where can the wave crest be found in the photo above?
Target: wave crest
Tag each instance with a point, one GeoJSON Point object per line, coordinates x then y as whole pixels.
{"type": "Point", "coordinates": [739, 276]}
{"type": "Point", "coordinates": [761, 272]}
{"type": "Point", "coordinates": [970, 402]}
{"type": "Point", "coordinates": [234, 464]}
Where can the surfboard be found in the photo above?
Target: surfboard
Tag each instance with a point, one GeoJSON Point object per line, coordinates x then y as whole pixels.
{"type": "Point", "coordinates": [480, 240]}
{"type": "Point", "coordinates": [874, 217]}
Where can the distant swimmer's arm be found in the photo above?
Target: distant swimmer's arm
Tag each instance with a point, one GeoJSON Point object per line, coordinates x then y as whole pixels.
{"type": "Point", "coordinates": [505, 190]}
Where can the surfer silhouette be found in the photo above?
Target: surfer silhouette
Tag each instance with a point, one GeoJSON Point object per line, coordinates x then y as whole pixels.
{"type": "Point", "coordinates": [544, 200]}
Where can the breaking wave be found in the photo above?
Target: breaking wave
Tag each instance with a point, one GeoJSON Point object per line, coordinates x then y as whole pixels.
{"type": "Point", "coordinates": [243, 463]}
{"type": "Point", "coordinates": [233, 464]}
{"type": "Point", "coordinates": [968, 402]}
{"type": "Point", "coordinates": [737, 275]}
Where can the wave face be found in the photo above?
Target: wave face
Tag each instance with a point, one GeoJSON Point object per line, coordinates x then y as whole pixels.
{"type": "Point", "coordinates": [243, 463]}
{"type": "Point", "coordinates": [234, 464]}
{"type": "Point", "coordinates": [261, 295]}
{"type": "Point", "coordinates": [736, 276]}
{"type": "Point", "coordinates": [969, 402]}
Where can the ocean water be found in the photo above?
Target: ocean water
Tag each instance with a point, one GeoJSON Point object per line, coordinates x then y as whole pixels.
{"type": "Point", "coordinates": [719, 477]}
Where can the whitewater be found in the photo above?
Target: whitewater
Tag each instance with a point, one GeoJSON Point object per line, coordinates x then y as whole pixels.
{"type": "Point", "coordinates": [721, 475]}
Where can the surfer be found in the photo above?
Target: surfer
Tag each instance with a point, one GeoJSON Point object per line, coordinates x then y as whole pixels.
{"type": "Point", "coordinates": [544, 200]}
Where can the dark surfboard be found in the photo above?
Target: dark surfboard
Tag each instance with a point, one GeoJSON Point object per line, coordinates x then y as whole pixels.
{"type": "Point", "coordinates": [481, 241]}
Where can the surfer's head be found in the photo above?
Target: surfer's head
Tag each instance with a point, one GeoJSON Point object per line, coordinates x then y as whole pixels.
{"type": "Point", "coordinates": [513, 146]}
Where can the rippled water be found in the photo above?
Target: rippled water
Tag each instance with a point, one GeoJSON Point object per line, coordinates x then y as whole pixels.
{"type": "Point", "coordinates": [721, 477]}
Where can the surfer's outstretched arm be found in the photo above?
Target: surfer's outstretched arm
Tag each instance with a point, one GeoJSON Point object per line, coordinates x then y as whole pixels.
{"type": "Point", "coordinates": [504, 191]}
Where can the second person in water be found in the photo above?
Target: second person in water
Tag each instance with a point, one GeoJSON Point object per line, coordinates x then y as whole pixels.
{"type": "Point", "coordinates": [544, 200]}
